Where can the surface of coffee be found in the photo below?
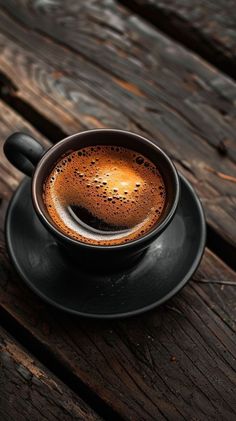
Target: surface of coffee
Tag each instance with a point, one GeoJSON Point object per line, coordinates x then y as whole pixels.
{"type": "Point", "coordinates": [105, 195]}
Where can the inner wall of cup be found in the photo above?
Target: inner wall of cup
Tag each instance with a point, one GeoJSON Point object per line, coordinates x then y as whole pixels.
{"type": "Point", "coordinates": [113, 138]}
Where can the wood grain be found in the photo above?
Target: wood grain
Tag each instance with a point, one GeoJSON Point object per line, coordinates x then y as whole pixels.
{"type": "Point", "coordinates": [125, 74]}
{"type": "Point", "coordinates": [30, 392]}
{"type": "Point", "coordinates": [174, 362]}
{"type": "Point", "coordinates": [11, 122]}
{"type": "Point", "coordinates": [204, 26]}
{"type": "Point", "coordinates": [98, 65]}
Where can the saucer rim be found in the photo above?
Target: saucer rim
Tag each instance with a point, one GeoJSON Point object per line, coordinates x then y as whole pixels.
{"type": "Point", "coordinates": [109, 316]}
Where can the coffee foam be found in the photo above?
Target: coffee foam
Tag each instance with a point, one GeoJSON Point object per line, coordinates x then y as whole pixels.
{"type": "Point", "coordinates": [116, 185]}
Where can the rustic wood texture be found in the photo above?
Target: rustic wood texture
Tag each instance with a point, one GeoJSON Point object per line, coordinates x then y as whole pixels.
{"type": "Point", "coordinates": [98, 65]}
{"type": "Point", "coordinates": [173, 363]}
{"type": "Point", "coordinates": [28, 391]}
{"type": "Point", "coordinates": [208, 27]}
{"type": "Point", "coordinates": [93, 64]}
{"type": "Point", "coordinates": [9, 123]}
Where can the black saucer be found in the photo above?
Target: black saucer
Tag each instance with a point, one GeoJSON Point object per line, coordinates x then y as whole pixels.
{"type": "Point", "coordinates": [162, 272]}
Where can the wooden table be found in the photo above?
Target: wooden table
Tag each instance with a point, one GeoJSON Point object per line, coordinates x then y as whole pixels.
{"type": "Point", "coordinates": [145, 66]}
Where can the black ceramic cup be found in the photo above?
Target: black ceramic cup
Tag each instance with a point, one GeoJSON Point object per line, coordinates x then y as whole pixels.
{"type": "Point", "coordinates": [28, 156]}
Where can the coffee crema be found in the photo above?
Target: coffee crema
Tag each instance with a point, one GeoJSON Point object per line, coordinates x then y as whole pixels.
{"type": "Point", "coordinates": [104, 195]}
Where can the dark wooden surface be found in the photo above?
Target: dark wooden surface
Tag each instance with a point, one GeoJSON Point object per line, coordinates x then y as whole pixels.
{"type": "Point", "coordinates": [127, 75]}
{"type": "Point", "coordinates": [205, 26]}
{"type": "Point", "coordinates": [30, 392]}
{"type": "Point", "coordinates": [173, 362]}
{"type": "Point", "coordinates": [68, 66]}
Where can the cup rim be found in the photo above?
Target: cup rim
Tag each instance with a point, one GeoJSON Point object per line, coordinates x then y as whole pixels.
{"type": "Point", "coordinates": [146, 238]}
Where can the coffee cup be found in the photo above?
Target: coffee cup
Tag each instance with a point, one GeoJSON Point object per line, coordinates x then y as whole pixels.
{"type": "Point", "coordinates": [26, 154]}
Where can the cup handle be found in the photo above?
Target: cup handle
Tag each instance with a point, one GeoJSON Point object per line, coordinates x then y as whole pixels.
{"type": "Point", "coordinates": [23, 151]}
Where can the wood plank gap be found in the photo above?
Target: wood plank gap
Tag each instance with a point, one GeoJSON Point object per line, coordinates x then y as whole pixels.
{"type": "Point", "coordinates": [8, 94]}
{"type": "Point", "coordinates": [45, 356]}
{"type": "Point", "coordinates": [223, 249]}
{"type": "Point", "coordinates": [181, 31]}
{"type": "Point", "coordinates": [29, 391]}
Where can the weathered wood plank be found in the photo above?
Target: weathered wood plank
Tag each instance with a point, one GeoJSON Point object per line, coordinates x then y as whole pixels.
{"type": "Point", "coordinates": [205, 26]}
{"type": "Point", "coordinates": [30, 392]}
{"type": "Point", "coordinates": [9, 123]}
{"type": "Point", "coordinates": [125, 74]}
{"type": "Point", "coordinates": [169, 364]}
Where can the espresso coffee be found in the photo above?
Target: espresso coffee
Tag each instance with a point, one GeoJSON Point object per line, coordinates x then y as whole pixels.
{"type": "Point", "coordinates": [105, 195]}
